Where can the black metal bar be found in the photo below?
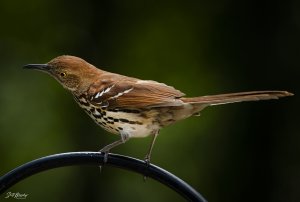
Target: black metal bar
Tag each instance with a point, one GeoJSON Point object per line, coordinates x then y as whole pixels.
{"type": "Point", "coordinates": [96, 158]}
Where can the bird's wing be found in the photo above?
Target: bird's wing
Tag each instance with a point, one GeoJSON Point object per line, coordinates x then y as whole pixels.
{"type": "Point", "coordinates": [133, 93]}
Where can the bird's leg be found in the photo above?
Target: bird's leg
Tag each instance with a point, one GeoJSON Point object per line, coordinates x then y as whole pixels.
{"type": "Point", "coordinates": [148, 156]}
{"type": "Point", "coordinates": [107, 148]}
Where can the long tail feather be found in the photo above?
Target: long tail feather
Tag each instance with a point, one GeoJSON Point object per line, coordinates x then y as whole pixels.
{"type": "Point", "coordinates": [236, 97]}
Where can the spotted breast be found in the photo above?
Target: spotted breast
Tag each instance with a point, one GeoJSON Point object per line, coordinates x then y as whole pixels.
{"type": "Point", "coordinates": [134, 122]}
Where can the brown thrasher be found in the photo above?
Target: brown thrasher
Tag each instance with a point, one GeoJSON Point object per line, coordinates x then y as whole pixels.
{"type": "Point", "coordinates": [132, 107]}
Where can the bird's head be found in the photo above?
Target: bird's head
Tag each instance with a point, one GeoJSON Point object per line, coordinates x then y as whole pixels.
{"type": "Point", "coordinates": [73, 73]}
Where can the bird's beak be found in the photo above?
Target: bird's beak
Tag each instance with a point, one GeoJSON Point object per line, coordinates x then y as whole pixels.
{"type": "Point", "coordinates": [41, 67]}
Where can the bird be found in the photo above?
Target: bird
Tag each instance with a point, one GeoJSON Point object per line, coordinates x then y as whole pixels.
{"type": "Point", "coordinates": [131, 107]}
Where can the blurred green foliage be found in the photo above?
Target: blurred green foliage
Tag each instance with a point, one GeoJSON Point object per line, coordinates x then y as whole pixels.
{"type": "Point", "coordinates": [240, 152]}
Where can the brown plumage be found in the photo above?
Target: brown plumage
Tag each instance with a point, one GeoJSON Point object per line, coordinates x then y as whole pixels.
{"type": "Point", "coordinates": [132, 107]}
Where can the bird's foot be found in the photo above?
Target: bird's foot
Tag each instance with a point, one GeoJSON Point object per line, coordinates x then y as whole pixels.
{"type": "Point", "coordinates": [105, 157]}
{"type": "Point", "coordinates": [147, 162]}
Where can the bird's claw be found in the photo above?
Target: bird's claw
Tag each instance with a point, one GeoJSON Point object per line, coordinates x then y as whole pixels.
{"type": "Point", "coordinates": [105, 157]}
{"type": "Point", "coordinates": [147, 162]}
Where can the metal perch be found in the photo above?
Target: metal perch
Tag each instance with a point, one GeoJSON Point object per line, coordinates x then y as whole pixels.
{"type": "Point", "coordinates": [96, 158]}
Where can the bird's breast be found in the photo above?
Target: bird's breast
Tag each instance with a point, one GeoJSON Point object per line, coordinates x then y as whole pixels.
{"type": "Point", "coordinates": [134, 122]}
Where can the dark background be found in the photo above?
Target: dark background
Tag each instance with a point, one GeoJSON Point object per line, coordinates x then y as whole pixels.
{"type": "Point", "coordinates": [239, 152]}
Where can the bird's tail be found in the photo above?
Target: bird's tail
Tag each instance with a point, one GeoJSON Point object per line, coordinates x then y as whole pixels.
{"type": "Point", "coordinates": [192, 106]}
{"type": "Point", "coordinates": [203, 101]}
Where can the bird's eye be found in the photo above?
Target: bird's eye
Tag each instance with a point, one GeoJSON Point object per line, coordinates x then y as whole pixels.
{"type": "Point", "coordinates": [63, 74]}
